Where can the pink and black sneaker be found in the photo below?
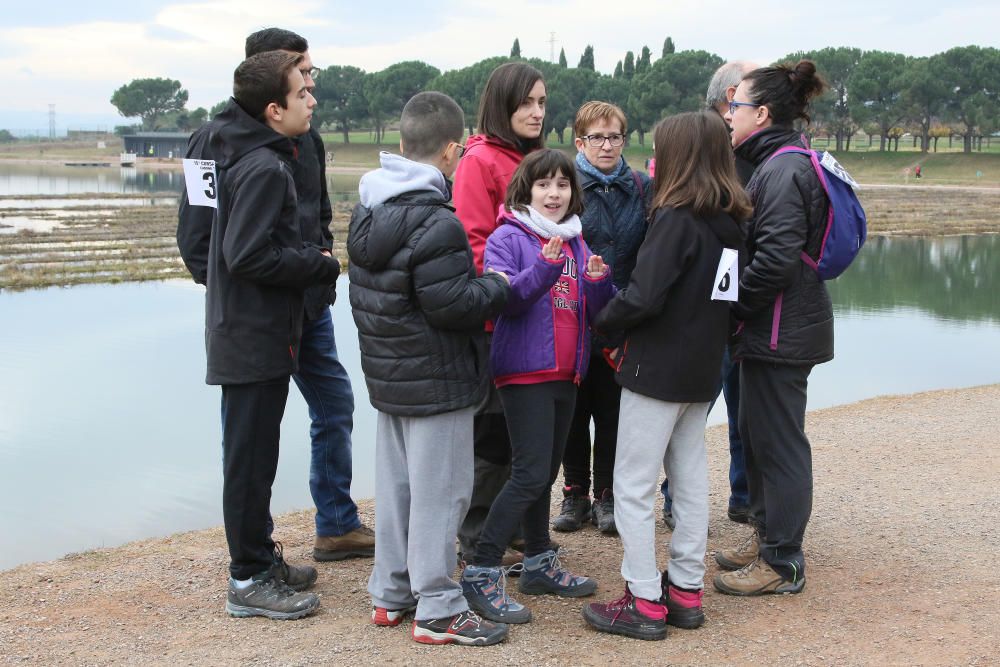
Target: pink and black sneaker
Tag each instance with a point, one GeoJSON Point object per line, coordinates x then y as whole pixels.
{"type": "Point", "coordinates": [683, 607]}
{"type": "Point", "coordinates": [629, 616]}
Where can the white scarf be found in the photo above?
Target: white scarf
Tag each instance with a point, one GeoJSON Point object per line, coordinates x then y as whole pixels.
{"type": "Point", "coordinates": [568, 229]}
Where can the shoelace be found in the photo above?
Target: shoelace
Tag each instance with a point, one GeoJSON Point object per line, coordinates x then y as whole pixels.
{"type": "Point", "coordinates": [501, 583]}
{"type": "Point", "coordinates": [557, 569]}
{"type": "Point", "coordinates": [745, 571]}
{"type": "Point", "coordinates": [620, 604]}
{"type": "Point", "coordinates": [745, 544]}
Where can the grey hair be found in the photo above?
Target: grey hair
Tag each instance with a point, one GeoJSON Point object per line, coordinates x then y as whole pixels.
{"type": "Point", "coordinates": [728, 75]}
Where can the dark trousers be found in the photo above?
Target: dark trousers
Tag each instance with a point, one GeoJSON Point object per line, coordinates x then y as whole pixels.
{"type": "Point", "coordinates": [250, 431]}
{"type": "Point", "coordinates": [778, 460]}
{"type": "Point", "coordinates": [598, 398]}
{"type": "Point", "coordinates": [491, 444]}
{"type": "Point", "coordinates": [538, 418]}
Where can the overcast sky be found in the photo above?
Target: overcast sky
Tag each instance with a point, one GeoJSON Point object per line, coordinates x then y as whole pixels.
{"type": "Point", "coordinates": [75, 54]}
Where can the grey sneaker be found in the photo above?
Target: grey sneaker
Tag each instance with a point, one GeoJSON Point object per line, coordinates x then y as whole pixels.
{"type": "Point", "coordinates": [298, 577]}
{"type": "Point", "coordinates": [466, 629]}
{"type": "Point", "coordinates": [603, 514]}
{"type": "Point", "coordinates": [574, 512]}
{"type": "Point", "coordinates": [271, 597]}
{"type": "Point", "coordinates": [485, 589]}
{"type": "Point", "coordinates": [545, 573]}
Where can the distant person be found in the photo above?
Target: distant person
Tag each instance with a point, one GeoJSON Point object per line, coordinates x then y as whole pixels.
{"type": "Point", "coordinates": [320, 377]}
{"type": "Point", "coordinates": [258, 268]}
{"type": "Point", "coordinates": [614, 225]}
{"type": "Point", "coordinates": [511, 111]}
{"type": "Point", "coordinates": [787, 329]}
{"type": "Point", "coordinates": [420, 311]}
{"type": "Point", "coordinates": [916, 171]}
{"type": "Point", "coordinates": [540, 353]}
{"type": "Point", "coordinates": [676, 326]}
{"type": "Point", "coordinates": [720, 93]}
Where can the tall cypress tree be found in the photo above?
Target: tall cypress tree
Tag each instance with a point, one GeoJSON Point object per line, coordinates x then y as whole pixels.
{"type": "Point", "coordinates": [668, 46]}
{"type": "Point", "coordinates": [562, 58]}
{"type": "Point", "coordinates": [618, 71]}
{"type": "Point", "coordinates": [644, 62]}
{"type": "Point", "coordinates": [628, 69]}
{"type": "Point", "coordinates": [515, 50]}
{"type": "Point", "coordinates": [587, 59]}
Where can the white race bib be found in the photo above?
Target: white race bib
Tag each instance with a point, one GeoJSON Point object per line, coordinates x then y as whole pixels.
{"type": "Point", "coordinates": [727, 277]}
{"type": "Point", "coordinates": [199, 179]}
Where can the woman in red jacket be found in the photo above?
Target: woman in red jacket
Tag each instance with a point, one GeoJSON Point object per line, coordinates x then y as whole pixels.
{"type": "Point", "coordinates": [511, 114]}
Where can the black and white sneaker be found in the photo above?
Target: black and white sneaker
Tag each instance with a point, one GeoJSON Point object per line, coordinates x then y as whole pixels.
{"type": "Point", "coordinates": [466, 629]}
{"type": "Point", "coordinates": [271, 597]}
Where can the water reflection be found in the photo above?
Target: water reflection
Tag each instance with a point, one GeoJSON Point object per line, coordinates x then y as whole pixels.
{"type": "Point", "coordinates": [108, 434]}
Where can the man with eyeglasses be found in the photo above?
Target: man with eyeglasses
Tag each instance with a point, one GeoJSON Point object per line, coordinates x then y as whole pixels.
{"type": "Point", "coordinates": [321, 378]}
{"type": "Point", "coordinates": [616, 199]}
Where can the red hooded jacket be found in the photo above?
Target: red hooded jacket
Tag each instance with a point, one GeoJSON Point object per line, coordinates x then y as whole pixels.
{"type": "Point", "coordinates": [480, 188]}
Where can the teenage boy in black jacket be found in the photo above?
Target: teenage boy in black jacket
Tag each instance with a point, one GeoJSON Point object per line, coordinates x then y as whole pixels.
{"type": "Point", "coordinates": [420, 311]}
{"type": "Point", "coordinates": [258, 268]}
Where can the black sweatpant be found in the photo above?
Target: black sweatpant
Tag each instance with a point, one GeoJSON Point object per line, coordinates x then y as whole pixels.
{"type": "Point", "coordinates": [251, 422]}
{"type": "Point", "coordinates": [538, 417]}
{"type": "Point", "coordinates": [599, 397]}
{"type": "Point", "coordinates": [778, 460]}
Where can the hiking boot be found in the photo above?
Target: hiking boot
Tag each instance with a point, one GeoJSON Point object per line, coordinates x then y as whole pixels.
{"type": "Point", "coordinates": [629, 616]}
{"type": "Point", "coordinates": [757, 578]}
{"type": "Point", "coordinates": [390, 618]}
{"type": "Point", "coordinates": [297, 577]}
{"type": "Point", "coordinates": [575, 510]}
{"type": "Point", "coordinates": [603, 513]}
{"type": "Point", "coordinates": [467, 629]}
{"type": "Point", "coordinates": [683, 607]}
{"type": "Point", "coordinates": [511, 558]}
{"type": "Point", "coordinates": [359, 543]}
{"type": "Point", "coordinates": [519, 545]}
{"type": "Point", "coordinates": [485, 589]}
{"type": "Point", "coordinates": [544, 573]}
{"type": "Point", "coordinates": [739, 514]}
{"type": "Point", "coordinates": [744, 554]}
{"type": "Point", "coordinates": [668, 518]}
{"type": "Point", "coordinates": [269, 596]}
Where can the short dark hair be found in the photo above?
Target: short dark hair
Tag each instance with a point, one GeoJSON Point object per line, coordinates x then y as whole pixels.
{"type": "Point", "coordinates": [507, 88]}
{"type": "Point", "coordinates": [275, 39]}
{"type": "Point", "coordinates": [695, 166]}
{"type": "Point", "coordinates": [262, 79]}
{"type": "Point", "coordinates": [430, 121]}
{"type": "Point", "coordinates": [540, 164]}
{"type": "Point", "coordinates": [785, 90]}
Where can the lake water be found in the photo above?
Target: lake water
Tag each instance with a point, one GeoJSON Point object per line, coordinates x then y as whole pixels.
{"type": "Point", "coordinates": [108, 433]}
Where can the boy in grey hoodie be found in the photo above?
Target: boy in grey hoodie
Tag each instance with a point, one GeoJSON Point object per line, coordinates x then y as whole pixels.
{"type": "Point", "coordinates": [420, 309]}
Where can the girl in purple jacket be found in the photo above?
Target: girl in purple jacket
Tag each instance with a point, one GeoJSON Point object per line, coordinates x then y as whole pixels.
{"type": "Point", "coordinates": [539, 355]}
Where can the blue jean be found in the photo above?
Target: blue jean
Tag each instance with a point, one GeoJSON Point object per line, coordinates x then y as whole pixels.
{"type": "Point", "coordinates": [729, 385]}
{"type": "Point", "coordinates": [324, 385]}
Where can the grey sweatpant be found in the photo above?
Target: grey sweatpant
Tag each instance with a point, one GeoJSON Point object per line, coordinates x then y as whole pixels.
{"type": "Point", "coordinates": [423, 481]}
{"type": "Point", "coordinates": [653, 433]}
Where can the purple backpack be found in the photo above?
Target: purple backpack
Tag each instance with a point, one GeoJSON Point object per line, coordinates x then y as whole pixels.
{"type": "Point", "coordinates": [846, 224]}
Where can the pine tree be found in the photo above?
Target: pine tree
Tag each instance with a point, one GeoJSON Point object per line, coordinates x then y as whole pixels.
{"type": "Point", "coordinates": [668, 46]}
{"type": "Point", "coordinates": [587, 59]}
{"type": "Point", "coordinates": [515, 50]}
{"type": "Point", "coordinates": [562, 58]}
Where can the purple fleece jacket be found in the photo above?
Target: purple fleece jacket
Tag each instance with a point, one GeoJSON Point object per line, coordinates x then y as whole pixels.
{"type": "Point", "coordinates": [524, 336]}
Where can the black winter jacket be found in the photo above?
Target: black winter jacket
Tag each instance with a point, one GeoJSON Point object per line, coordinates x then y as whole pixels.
{"type": "Point", "coordinates": [419, 306]}
{"type": "Point", "coordinates": [790, 212]}
{"type": "Point", "coordinates": [258, 263]}
{"type": "Point", "coordinates": [675, 332]}
{"type": "Point", "coordinates": [194, 223]}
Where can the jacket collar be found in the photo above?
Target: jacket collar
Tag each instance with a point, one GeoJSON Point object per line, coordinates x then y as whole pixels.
{"type": "Point", "coordinates": [761, 144]}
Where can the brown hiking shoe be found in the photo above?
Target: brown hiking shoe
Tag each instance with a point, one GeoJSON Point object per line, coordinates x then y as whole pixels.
{"type": "Point", "coordinates": [744, 554]}
{"type": "Point", "coordinates": [511, 557]}
{"type": "Point", "coordinates": [359, 543]}
{"type": "Point", "coordinates": [757, 578]}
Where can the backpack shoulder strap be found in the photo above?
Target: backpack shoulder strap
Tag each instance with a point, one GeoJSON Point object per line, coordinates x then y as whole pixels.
{"type": "Point", "coordinates": [638, 183]}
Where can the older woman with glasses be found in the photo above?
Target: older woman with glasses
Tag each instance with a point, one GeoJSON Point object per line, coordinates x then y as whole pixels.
{"type": "Point", "coordinates": [787, 328]}
{"type": "Point", "coordinates": [614, 225]}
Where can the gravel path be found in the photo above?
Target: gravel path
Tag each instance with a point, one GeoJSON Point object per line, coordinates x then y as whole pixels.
{"type": "Point", "coordinates": [901, 552]}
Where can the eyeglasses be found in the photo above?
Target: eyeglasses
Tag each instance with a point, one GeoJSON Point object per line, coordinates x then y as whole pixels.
{"type": "Point", "coordinates": [459, 151]}
{"type": "Point", "coordinates": [733, 106]}
{"type": "Point", "coordinates": [597, 140]}
{"type": "Point", "coordinates": [311, 72]}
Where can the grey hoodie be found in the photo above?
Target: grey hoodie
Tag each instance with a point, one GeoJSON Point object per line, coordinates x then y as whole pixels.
{"type": "Point", "coordinates": [398, 175]}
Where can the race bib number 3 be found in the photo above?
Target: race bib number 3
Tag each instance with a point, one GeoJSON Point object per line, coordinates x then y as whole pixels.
{"type": "Point", "coordinates": [199, 179]}
{"type": "Point", "coordinates": [727, 278]}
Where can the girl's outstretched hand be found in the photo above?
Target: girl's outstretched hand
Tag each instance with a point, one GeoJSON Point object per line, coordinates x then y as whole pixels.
{"type": "Point", "coordinates": [596, 267]}
{"type": "Point", "coordinates": [553, 248]}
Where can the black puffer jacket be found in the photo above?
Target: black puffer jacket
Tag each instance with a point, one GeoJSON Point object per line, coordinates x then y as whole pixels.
{"type": "Point", "coordinates": [790, 211]}
{"type": "Point", "coordinates": [258, 264]}
{"type": "Point", "coordinates": [419, 306]}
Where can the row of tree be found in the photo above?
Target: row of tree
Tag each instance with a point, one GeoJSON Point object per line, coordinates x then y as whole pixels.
{"type": "Point", "coordinates": [880, 93]}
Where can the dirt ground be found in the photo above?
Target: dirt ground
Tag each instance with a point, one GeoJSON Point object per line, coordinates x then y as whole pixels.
{"type": "Point", "coordinates": [901, 553]}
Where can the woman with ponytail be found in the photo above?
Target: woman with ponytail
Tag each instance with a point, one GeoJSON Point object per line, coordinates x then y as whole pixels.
{"type": "Point", "coordinates": [787, 326]}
